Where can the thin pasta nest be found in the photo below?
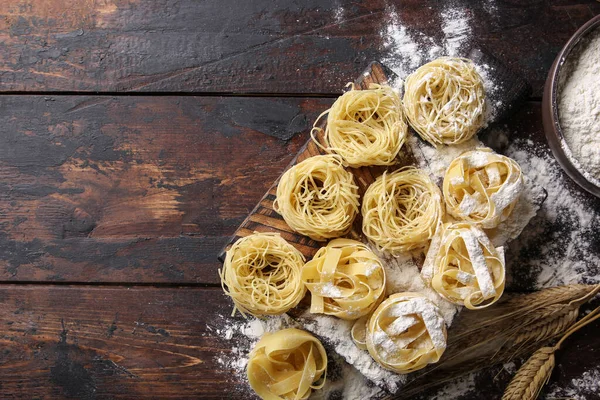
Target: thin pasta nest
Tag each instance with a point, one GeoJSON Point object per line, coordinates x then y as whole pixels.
{"type": "Point", "coordinates": [406, 333]}
{"type": "Point", "coordinates": [401, 210]}
{"type": "Point", "coordinates": [464, 267]}
{"type": "Point", "coordinates": [482, 187]}
{"type": "Point", "coordinates": [365, 127]}
{"type": "Point", "coordinates": [345, 279]}
{"type": "Point", "coordinates": [318, 198]}
{"type": "Point", "coordinates": [262, 274]}
{"type": "Point", "coordinates": [287, 364]}
{"type": "Point", "coordinates": [444, 101]}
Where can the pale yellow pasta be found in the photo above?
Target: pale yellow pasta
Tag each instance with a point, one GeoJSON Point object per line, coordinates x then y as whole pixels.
{"type": "Point", "coordinates": [365, 127]}
{"type": "Point", "coordinates": [287, 364]}
{"type": "Point", "coordinates": [262, 274]}
{"type": "Point", "coordinates": [406, 333]}
{"type": "Point", "coordinates": [345, 279]}
{"type": "Point", "coordinates": [444, 101]}
{"type": "Point", "coordinates": [401, 210]}
{"type": "Point", "coordinates": [464, 267]}
{"type": "Point", "coordinates": [482, 187]}
{"type": "Point", "coordinates": [318, 198]}
{"type": "Point", "coordinates": [359, 332]}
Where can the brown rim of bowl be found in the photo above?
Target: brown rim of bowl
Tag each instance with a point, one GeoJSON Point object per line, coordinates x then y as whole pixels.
{"type": "Point", "coordinates": [550, 117]}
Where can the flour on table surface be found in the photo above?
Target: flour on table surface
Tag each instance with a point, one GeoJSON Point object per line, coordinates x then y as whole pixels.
{"type": "Point", "coordinates": [456, 25]}
{"type": "Point", "coordinates": [242, 335]}
{"type": "Point", "coordinates": [587, 386]}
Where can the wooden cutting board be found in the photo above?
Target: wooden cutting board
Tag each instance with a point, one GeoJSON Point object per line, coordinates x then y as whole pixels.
{"type": "Point", "coordinates": [511, 91]}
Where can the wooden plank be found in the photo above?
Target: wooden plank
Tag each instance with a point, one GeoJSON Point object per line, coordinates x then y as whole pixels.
{"type": "Point", "coordinates": [135, 189]}
{"type": "Point", "coordinates": [90, 342]}
{"type": "Point", "coordinates": [258, 46]}
{"type": "Point", "coordinates": [132, 343]}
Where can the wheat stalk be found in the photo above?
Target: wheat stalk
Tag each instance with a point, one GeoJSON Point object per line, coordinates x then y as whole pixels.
{"type": "Point", "coordinates": [532, 376]}
{"type": "Point", "coordinates": [548, 327]}
{"type": "Point", "coordinates": [535, 373]}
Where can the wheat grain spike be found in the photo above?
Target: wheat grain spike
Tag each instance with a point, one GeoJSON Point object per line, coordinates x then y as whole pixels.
{"type": "Point", "coordinates": [548, 327]}
{"type": "Point", "coordinates": [532, 376]}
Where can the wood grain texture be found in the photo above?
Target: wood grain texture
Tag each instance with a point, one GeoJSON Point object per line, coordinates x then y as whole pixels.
{"type": "Point", "coordinates": [258, 46]}
{"type": "Point", "coordinates": [94, 343]}
{"type": "Point", "coordinates": [135, 189]}
{"type": "Point", "coordinates": [133, 343]}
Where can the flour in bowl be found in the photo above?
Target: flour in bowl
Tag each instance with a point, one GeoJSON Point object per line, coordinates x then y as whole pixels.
{"type": "Point", "coordinates": [579, 106]}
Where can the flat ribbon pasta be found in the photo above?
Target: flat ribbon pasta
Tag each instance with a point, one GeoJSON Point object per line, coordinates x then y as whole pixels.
{"type": "Point", "coordinates": [345, 279]}
{"type": "Point", "coordinates": [318, 198]}
{"type": "Point", "coordinates": [287, 364]}
{"type": "Point", "coordinates": [365, 127]}
{"type": "Point", "coordinates": [406, 332]}
{"type": "Point", "coordinates": [482, 187]}
{"type": "Point", "coordinates": [401, 210]}
{"type": "Point", "coordinates": [262, 274]}
{"type": "Point", "coordinates": [444, 100]}
{"type": "Point", "coordinates": [464, 267]}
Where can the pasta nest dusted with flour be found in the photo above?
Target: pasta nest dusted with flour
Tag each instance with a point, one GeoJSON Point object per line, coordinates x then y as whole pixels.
{"type": "Point", "coordinates": [287, 364]}
{"type": "Point", "coordinates": [482, 187]}
{"type": "Point", "coordinates": [464, 267]}
{"type": "Point", "coordinates": [365, 127]}
{"type": "Point", "coordinates": [345, 279]}
{"type": "Point", "coordinates": [318, 198]}
{"type": "Point", "coordinates": [406, 332]}
{"type": "Point", "coordinates": [262, 274]}
{"type": "Point", "coordinates": [401, 210]}
{"type": "Point", "coordinates": [444, 101]}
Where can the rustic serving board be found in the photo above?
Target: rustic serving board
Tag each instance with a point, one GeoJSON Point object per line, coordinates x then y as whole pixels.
{"type": "Point", "coordinates": [512, 90]}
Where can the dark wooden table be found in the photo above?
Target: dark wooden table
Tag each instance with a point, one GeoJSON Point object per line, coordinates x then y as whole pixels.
{"type": "Point", "coordinates": [137, 135]}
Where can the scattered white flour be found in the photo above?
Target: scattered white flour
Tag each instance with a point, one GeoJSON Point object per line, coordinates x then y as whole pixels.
{"type": "Point", "coordinates": [490, 7]}
{"type": "Point", "coordinates": [561, 243]}
{"type": "Point", "coordinates": [405, 50]}
{"type": "Point", "coordinates": [244, 334]}
{"type": "Point", "coordinates": [338, 12]}
{"type": "Point", "coordinates": [456, 25]}
{"type": "Point", "coordinates": [456, 388]}
{"type": "Point", "coordinates": [351, 385]}
{"type": "Point", "coordinates": [585, 387]}
{"type": "Point", "coordinates": [579, 107]}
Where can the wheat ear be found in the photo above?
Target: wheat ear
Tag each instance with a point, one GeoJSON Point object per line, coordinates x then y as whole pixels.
{"type": "Point", "coordinates": [535, 373]}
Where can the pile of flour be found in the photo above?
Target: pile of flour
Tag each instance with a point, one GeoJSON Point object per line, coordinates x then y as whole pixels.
{"type": "Point", "coordinates": [579, 106]}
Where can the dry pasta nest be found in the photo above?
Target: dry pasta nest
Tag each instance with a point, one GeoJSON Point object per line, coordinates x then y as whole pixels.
{"type": "Point", "coordinates": [318, 198]}
{"type": "Point", "coordinates": [444, 101]}
{"type": "Point", "coordinates": [365, 127]}
{"type": "Point", "coordinates": [464, 267]}
{"type": "Point", "coordinates": [345, 279]}
{"type": "Point", "coordinates": [401, 210]}
{"type": "Point", "coordinates": [405, 333]}
{"type": "Point", "coordinates": [287, 364]}
{"type": "Point", "coordinates": [482, 187]}
{"type": "Point", "coordinates": [262, 274]}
